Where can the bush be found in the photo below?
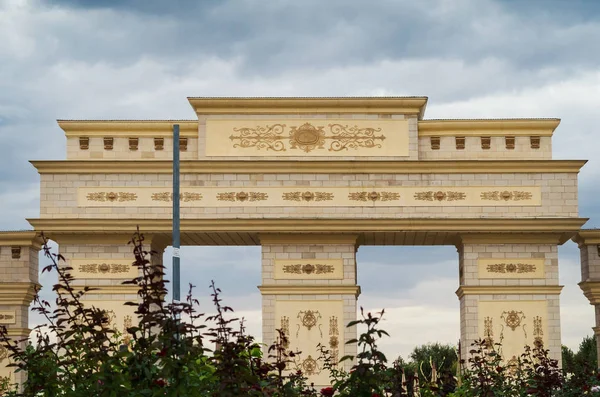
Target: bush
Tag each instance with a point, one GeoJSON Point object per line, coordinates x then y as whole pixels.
{"type": "Point", "coordinates": [166, 356]}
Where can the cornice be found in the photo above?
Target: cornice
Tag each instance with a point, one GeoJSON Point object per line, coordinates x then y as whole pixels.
{"type": "Point", "coordinates": [15, 333]}
{"type": "Point", "coordinates": [18, 293]}
{"type": "Point", "coordinates": [310, 290]}
{"type": "Point", "coordinates": [509, 290]}
{"type": "Point", "coordinates": [587, 237]}
{"type": "Point", "coordinates": [27, 238]}
{"type": "Point", "coordinates": [54, 226]}
{"type": "Point", "coordinates": [499, 127]}
{"type": "Point", "coordinates": [128, 128]}
{"type": "Point", "coordinates": [314, 167]}
{"type": "Point", "coordinates": [591, 290]}
{"type": "Point", "coordinates": [369, 105]}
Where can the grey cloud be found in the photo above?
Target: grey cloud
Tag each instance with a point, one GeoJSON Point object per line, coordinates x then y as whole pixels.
{"type": "Point", "coordinates": [272, 37]}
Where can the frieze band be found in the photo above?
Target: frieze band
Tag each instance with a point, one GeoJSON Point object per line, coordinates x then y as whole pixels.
{"type": "Point", "coordinates": [326, 196]}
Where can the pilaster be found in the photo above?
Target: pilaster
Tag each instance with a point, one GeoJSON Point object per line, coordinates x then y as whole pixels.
{"type": "Point", "coordinates": [509, 293]}
{"type": "Point", "coordinates": [19, 252]}
{"type": "Point", "coordinates": [104, 263]}
{"type": "Point", "coordinates": [309, 291]}
{"type": "Point", "coordinates": [589, 249]}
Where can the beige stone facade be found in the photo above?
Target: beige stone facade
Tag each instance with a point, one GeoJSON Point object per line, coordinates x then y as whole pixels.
{"type": "Point", "coordinates": [311, 179]}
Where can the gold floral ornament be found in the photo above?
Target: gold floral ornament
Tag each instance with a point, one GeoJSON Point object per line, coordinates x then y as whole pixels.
{"type": "Point", "coordinates": [242, 196]}
{"type": "Point", "coordinates": [440, 196]}
{"type": "Point", "coordinates": [374, 196]}
{"type": "Point", "coordinates": [310, 366]}
{"type": "Point", "coordinates": [488, 331]}
{"type": "Point", "coordinates": [168, 197]}
{"type": "Point", "coordinates": [307, 196]}
{"type": "Point", "coordinates": [307, 137]}
{"type": "Point", "coordinates": [309, 318]}
{"type": "Point", "coordinates": [346, 137]}
{"type": "Point", "coordinates": [111, 197]}
{"type": "Point", "coordinates": [538, 333]}
{"type": "Point", "coordinates": [513, 318]}
{"type": "Point", "coordinates": [268, 137]}
{"type": "Point", "coordinates": [285, 329]}
{"type": "Point", "coordinates": [7, 317]}
{"type": "Point", "coordinates": [506, 195]}
{"type": "Point", "coordinates": [334, 339]}
{"type": "Point", "coordinates": [127, 323]}
{"type": "Point", "coordinates": [308, 269]}
{"type": "Point", "coordinates": [511, 268]}
{"type": "Point", "coordinates": [513, 365]}
{"type": "Point", "coordinates": [104, 268]}
{"type": "Point", "coordinates": [3, 353]}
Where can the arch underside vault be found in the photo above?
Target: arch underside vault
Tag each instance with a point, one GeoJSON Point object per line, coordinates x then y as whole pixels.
{"type": "Point", "coordinates": [310, 180]}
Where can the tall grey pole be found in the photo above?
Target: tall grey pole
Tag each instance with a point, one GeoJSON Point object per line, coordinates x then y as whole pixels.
{"type": "Point", "coordinates": [176, 223]}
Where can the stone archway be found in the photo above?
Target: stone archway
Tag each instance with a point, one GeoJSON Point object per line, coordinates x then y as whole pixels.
{"type": "Point", "coordinates": [311, 179]}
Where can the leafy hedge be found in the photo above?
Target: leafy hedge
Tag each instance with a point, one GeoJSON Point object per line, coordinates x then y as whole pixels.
{"type": "Point", "coordinates": [166, 356]}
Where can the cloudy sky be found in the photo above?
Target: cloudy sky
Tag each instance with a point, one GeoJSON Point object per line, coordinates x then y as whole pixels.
{"type": "Point", "coordinates": [138, 59]}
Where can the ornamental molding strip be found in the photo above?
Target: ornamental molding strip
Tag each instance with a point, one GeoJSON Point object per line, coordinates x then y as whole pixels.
{"type": "Point", "coordinates": [284, 196]}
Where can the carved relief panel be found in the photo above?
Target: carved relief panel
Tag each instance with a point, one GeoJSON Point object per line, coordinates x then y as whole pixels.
{"type": "Point", "coordinates": [308, 269]}
{"type": "Point", "coordinates": [103, 268]}
{"type": "Point", "coordinates": [513, 324]}
{"type": "Point", "coordinates": [308, 137]}
{"type": "Point", "coordinates": [308, 324]}
{"type": "Point", "coordinates": [511, 268]}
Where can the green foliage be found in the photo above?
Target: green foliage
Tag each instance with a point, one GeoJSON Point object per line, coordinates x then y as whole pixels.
{"type": "Point", "coordinates": [166, 356]}
{"type": "Point", "coordinates": [161, 356]}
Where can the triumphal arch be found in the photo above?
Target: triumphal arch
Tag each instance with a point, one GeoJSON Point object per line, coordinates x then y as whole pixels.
{"type": "Point", "coordinates": [310, 180]}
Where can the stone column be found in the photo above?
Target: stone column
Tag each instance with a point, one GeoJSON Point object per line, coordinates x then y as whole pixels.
{"type": "Point", "coordinates": [589, 249]}
{"type": "Point", "coordinates": [509, 293]}
{"type": "Point", "coordinates": [309, 291]}
{"type": "Point", "coordinates": [104, 262]}
{"type": "Point", "coordinates": [18, 282]}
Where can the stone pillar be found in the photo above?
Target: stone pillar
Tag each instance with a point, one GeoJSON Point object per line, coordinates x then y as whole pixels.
{"type": "Point", "coordinates": [589, 249]}
{"type": "Point", "coordinates": [309, 290]}
{"type": "Point", "coordinates": [509, 293]}
{"type": "Point", "coordinates": [19, 253]}
{"type": "Point", "coordinates": [104, 262]}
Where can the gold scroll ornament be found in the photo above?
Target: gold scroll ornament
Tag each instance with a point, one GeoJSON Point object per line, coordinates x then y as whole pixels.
{"type": "Point", "coordinates": [307, 137]}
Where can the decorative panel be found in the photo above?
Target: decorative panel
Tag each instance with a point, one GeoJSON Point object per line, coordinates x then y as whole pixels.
{"type": "Point", "coordinates": [393, 196]}
{"type": "Point", "coordinates": [8, 317]}
{"type": "Point", "coordinates": [511, 268]}
{"type": "Point", "coordinates": [515, 324]}
{"type": "Point", "coordinates": [120, 317]}
{"type": "Point", "coordinates": [306, 137]}
{"type": "Point", "coordinates": [309, 269]}
{"type": "Point", "coordinates": [103, 268]}
{"type": "Point", "coordinates": [308, 324]}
